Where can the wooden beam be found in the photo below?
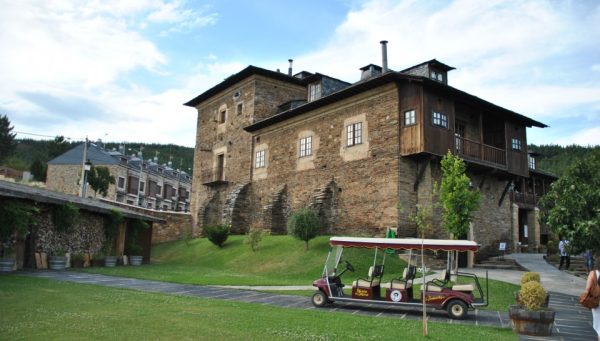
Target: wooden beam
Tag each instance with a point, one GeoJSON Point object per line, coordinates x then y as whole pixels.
{"type": "Point", "coordinates": [504, 193]}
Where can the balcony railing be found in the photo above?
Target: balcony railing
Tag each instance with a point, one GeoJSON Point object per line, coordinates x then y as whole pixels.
{"type": "Point", "coordinates": [480, 151]}
{"type": "Point", "coordinates": [213, 176]}
{"type": "Point", "coordinates": [524, 198]}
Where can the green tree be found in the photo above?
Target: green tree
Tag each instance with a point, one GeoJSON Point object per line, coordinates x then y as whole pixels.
{"type": "Point", "coordinates": [458, 200]}
{"type": "Point", "coordinates": [100, 179]}
{"type": "Point", "coordinates": [7, 138]}
{"type": "Point", "coordinates": [38, 170]}
{"type": "Point", "coordinates": [571, 207]}
{"type": "Point", "coordinates": [58, 146]}
{"type": "Point", "coordinates": [304, 225]}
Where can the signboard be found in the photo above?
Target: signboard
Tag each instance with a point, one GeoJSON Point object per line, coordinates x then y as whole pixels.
{"type": "Point", "coordinates": [502, 247]}
{"type": "Point", "coordinates": [525, 232]}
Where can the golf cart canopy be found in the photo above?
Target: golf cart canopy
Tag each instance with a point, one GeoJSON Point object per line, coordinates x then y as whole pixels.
{"type": "Point", "coordinates": [405, 243]}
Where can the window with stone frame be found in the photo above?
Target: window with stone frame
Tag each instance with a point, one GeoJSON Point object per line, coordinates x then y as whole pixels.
{"type": "Point", "coordinates": [314, 91]}
{"type": "Point", "coordinates": [142, 185]}
{"type": "Point", "coordinates": [306, 146]}
{"type": "Point", "coordinates": [410, 117]}
{"type": "Point", "coordinates": [222, 116]}
{"type": "Point", "coordinates": [240, 108]}
{"type": "Point", "coordinates": [354, 134]}
{"type": "Point", "coordinates": [121, 183]}
{"type": "Point", "coordinates": [259, 160]}
{"type": "Point", "coordinates": [516, 143]}
{"type": "Point", "coordinates": [440, 119]}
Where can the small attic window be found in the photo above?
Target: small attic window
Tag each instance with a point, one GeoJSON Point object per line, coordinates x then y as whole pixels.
{"type": "Point", "coordinates": [237, 95]}
{"type": "Point", "coordinates": [437, 76]}
{"type": "Point", "coordinates": [314, 91]}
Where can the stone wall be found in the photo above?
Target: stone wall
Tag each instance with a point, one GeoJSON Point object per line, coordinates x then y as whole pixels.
{"type": "Point", "coordinates": [177, 224]}
{"type": "Point", "coordinates": [86, 236]}
{"type": "Point", "coordinates": [63, 178]}
{"type": "Point", "coordinates": [366, 182]}
{"type": "Point", "coordinates": [259, 97]}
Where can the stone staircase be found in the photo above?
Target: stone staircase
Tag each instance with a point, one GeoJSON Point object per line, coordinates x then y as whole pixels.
{"type": "Point", "coordinates": [499, 263]}
{"type": "Point", "coordinates": [577, 267]}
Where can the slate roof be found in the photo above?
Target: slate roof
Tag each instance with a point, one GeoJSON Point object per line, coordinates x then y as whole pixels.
{"type": "Point", "coordinates": [41, 195]}
{"type": "Point", "coordinates": [74, 156]}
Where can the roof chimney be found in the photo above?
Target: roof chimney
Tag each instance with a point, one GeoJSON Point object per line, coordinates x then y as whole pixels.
{"type": "Point", "coordinates": [384, 64]}
{"type": "Point", "coordinates": [290, 68]}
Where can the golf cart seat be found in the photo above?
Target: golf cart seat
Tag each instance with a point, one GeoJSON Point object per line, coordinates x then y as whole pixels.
{"type": "Point", "coordinates": [463, 287]}
{"type": "Point", "coordinates": [438, 284]}
{"type": "Point", "coordinates": [373, 279]}
{"type": "Point", "coordinates": [402, 283]}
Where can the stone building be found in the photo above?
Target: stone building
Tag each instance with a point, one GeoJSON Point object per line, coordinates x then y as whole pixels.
{"type": "Point", "coordinates": [138, 182]}
{"type": "Point", "coordinates": [362, 154]}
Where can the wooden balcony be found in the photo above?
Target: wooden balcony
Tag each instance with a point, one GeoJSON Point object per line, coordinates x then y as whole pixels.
{"type": "Point", "coordinates": [479, 152]}
{"type": "Point", "coordinates": [526, 199]}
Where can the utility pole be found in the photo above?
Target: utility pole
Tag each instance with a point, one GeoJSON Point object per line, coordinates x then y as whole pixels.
{"type": "Point", "coordinates": [83, 182]}
{"type": "Point", "coordinates": [140, 178]}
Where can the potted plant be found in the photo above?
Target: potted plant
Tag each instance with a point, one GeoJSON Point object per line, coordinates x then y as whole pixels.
{"type": "Point", "coordinates": [529, 316]}
{"type": "Point", "coordinates": [134, 249]}
{"type": "Point", "coordinates": [16, 219]}
{"type": "Point", "coordinates": [58, 259]}
{"type": "Point", "coordinates": [111, 229]}
{"type": "Point", "coordinates": [529, 277]}
{"type": "Point", "coordinates": [64, 217]}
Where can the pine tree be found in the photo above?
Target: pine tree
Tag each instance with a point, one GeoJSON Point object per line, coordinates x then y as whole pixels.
{"type": "Point", "coordinates": [7, 138]}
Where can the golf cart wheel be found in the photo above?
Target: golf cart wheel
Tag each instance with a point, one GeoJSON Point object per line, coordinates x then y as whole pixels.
{"type": "Point", "coordinates": [319, 299]}
{"type": "Point", "coordinates": [457, 309]}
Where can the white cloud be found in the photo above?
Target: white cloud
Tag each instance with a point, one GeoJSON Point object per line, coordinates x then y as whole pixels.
{"type": "Point", "coordinates": [505, 52]}
{"type": "Point", "coordinates": [587, 137]}
{"type": "Point", "coordinates": [65, 68]}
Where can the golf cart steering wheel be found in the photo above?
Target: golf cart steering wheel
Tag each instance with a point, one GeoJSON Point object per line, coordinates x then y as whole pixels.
{"type": "Point", "coordinates": [349, 266]}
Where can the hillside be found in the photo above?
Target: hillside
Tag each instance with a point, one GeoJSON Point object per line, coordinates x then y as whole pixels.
{"type": "Point", "coordinates": [556, 159]}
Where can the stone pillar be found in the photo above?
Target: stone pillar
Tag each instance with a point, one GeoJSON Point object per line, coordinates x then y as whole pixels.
{"type": "Point", "coordinates": [515, 227]}
{"type": "Point", "coordinates": [534, 221]}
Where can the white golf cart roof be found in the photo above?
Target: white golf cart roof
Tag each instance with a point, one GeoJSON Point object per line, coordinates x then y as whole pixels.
{"type": "Point", "coordinates": [405, 243]}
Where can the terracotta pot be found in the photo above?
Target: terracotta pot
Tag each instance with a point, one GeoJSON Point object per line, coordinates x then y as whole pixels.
{"type": "Point", "coordinates": [529, 322]}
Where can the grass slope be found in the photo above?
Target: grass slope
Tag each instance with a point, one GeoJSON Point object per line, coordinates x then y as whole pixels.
{"type": "Point", "coordinates": [281, 260]}
{"type": "Point", "coordinates": [41, 309]}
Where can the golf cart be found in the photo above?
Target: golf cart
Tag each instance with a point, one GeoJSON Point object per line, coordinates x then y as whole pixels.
{"type": "Point", "coordinates": [456, 296]}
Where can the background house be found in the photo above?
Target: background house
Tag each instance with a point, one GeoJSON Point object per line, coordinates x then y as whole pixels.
{"type": "Point", "coordinates": [138, 182]}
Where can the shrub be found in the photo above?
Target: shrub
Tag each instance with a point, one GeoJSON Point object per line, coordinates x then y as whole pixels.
{"type": "Point", "coordinates": [253, 237]}
{"type": "Point", "coordinates": [217, 234]}
{"type": "Point", "coordinates": [532, 295]}
{"type": "Point", "coordinates": [133, 247]}
{"type": "Point", "coordinates": [529, 277]}
{"type": "Point", "coordinates": [304, 225]}
{"type": "Point", "coordinates": [552, 247]}
{"type": "Point", "coordinates": [65, 217]}
{"type": "Point", "coordinates": [111, 229]}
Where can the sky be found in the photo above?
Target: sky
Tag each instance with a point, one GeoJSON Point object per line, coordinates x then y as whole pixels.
{"type": "Point", "coordinates": [121, 70]}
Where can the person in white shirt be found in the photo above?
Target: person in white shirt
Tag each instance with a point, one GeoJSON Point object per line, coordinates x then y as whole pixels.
{"type": "Point", "coordinates": [564, 254]}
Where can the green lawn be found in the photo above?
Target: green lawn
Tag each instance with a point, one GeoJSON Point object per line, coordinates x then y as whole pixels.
{"type": "Point", "coordinates": [41, 309]}
{"type": "Point", "coordinates": [281, 260]}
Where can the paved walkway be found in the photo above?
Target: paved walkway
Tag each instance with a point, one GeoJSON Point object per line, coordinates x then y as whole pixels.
{"type": "Point", "coordinates": [573, 322]}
